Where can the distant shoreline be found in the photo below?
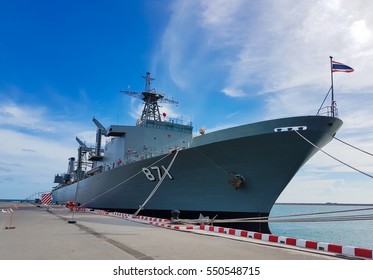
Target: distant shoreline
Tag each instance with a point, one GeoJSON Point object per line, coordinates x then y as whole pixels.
{"type": "Point", "coordinates": [16, 200]}
{"type": "Point", "coordinates": [324, 204]}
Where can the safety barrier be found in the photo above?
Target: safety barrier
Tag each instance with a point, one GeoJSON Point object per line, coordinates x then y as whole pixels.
{"type": "Point", "coordinates": [308, 244]}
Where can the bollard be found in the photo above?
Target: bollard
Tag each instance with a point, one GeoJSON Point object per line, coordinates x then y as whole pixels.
{"type": "Point", "coordinates": [72, 221]}
{"type": "Point", "coordinates": [71, 205]}
{"type": "Point", "coordinates": [10, 220]}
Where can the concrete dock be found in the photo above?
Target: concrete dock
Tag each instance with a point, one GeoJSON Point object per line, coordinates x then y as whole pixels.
{"type": "Point", "coordinates": [46, 233]}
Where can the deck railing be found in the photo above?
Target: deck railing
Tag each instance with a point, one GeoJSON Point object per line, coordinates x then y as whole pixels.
{"type": "Point", "coordinates": [330, 111]}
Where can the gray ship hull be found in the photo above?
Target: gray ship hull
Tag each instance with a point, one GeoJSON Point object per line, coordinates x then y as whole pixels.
{"type": "Point", "coordinates": [266, 155]}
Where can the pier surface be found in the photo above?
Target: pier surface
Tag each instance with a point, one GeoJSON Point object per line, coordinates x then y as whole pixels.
{"type": "Point", "coordinates": [54, 233]}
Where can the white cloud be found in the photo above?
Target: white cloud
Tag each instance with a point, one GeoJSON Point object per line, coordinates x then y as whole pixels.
{"type": "Point", "coordinates": [232, 114]}
{"type": "Point", "coordinates": [303, 189]}
{"type": "Point", "coordinates": [233, 92]}
{"type": "Point", "coordinates": [279, 52]}
{"type": "Point", "coordinates": [360, 32]}
{"type": "Point", "coordinates": [29, 163]}
{"type": "Point", "coordinates": [278, 45]}
{"type": "Point", "coordinates": [35, 146]}
{"type": "Point", "coordinates": [26, 117]}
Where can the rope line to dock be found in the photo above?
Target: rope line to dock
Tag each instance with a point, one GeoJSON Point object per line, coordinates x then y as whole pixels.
{"type": "Point", "coordinates": [326, 219]}
{"type": "Point", "coordinates": [159, 183]}
{"type": "Point", "coordinates": [284, 220]}
{"type": "Point", "coordinates": [295, 217]}
{"type": "Point", "coordinates": [210, 160]}
{"type": "Point", "coordinates": [352, 146]}
{"type": "Point", "coordinates": [303, 220]}
{"type": "Point", "coordinates": [340, 161]}
{"type": "Point", "coordinates": [305, 214]}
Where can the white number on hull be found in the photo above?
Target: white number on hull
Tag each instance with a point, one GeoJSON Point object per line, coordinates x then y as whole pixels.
{"type": "Point", "coordinates": [148, 173]}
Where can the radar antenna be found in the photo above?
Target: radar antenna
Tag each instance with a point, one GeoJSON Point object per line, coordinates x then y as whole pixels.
{"type": "Point", "coordinates": [151, 99]}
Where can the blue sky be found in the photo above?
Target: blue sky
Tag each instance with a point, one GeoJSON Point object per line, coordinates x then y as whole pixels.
{"type": "Point", "coordinates": [225, 62]}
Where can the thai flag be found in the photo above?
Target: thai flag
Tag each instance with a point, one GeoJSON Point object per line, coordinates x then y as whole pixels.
{"type": "Point", "coordinates": [340, 67]}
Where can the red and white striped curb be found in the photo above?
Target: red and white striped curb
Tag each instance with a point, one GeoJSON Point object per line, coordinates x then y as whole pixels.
{"type": "Point", "coordinates": [10, 209]}
{"type": "Point", "coordinates": [321, 246]}
{"type": "Point", "coordinates": [148, 220]}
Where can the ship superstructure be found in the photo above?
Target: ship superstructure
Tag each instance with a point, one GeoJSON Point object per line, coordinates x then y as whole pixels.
{"type": "Point", "coordinates": [152, 136]}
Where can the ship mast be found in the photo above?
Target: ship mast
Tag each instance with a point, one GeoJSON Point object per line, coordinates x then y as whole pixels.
{"type": "Point", "coordinates": [151, 99]}
{"type": "Point", "coordinates": [332, 107]}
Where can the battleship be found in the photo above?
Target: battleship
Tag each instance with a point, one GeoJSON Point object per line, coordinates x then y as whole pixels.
{"type": "Point", "coordinates": [158, 166]}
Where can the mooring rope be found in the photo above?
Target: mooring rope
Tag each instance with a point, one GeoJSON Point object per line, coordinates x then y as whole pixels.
{"type": "Point", "coordinates": [321, 150]}
{"type": "Point", "coordinates": [300, 215]}
{"type": "Point", "coordinates": [159, 183]}
{"type": "Point", "coordinates": [326, 219]}
{"type": "Point", "coordinates": [214, 163]}
{"type": "Point", "coordinates": [352, 146]}
{"type": "Point", "coordinates": [294, 217]}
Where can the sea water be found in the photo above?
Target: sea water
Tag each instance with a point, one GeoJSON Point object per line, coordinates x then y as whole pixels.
{"type": "Point", "coordinates": [358, 233]}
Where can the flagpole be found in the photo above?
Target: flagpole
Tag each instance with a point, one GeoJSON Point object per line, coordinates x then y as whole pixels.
{"type": "Point", "coordinates": [332, 87]}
